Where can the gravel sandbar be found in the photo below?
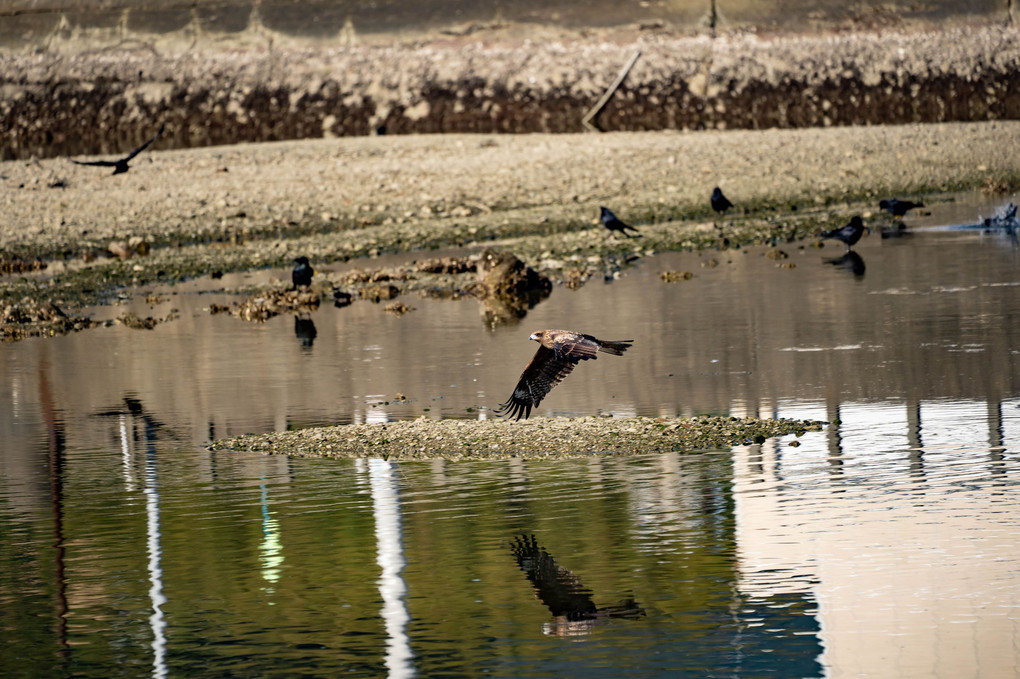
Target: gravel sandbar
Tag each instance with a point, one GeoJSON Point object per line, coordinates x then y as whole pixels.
{"type": "Point", "coordinates": [537, 438]}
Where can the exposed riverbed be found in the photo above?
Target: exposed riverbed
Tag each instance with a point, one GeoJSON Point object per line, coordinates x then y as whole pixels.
{"type": "Point", "coordinates": [183, 214]}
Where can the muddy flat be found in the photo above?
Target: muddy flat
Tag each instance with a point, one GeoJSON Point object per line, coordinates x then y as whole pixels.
{"type": "Point", "coordinates": [358, 190]}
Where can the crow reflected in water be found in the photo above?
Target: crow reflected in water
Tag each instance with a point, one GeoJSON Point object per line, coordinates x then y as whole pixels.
{"type": "Point", "coordinates": [897, 230]}
{"type": "Point", "coordinates": [720, 203]}
{"type": "Point", "coordinates": [897, 207]}
{"type": "Point", "coordinates": [302, 273]}
{"type": "Point", "coordinates": [135, 411]}
{"type": "Point", "coordinates": [850, 261]}
{"type": "Point", "coordinates": [341, 298]}
{"type": "Point", "coordinates": [120, 165]}
{"type": "Point", "coordinates": [614, 223]}
{"type": "Point", "coordinates": [571, 604]}
{"type": "Point", "coordinates": [849, 234]}
{"type": "Point", "coordinates": [304, 330]}
{"type": "Point", "coordinates": [132, 406]}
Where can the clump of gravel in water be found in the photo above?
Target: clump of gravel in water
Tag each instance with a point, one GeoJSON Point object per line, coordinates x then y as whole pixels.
{"type": "Point", "coordinates": [538, 438]}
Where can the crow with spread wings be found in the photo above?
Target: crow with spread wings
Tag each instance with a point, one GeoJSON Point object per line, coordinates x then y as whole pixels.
{"type": "Point", "coordinates": [558, 353]}
{"type": "Point", "coordinates": [120, 165]}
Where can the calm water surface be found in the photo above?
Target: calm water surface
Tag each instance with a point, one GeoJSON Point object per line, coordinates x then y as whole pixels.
{"type": "Point", "coordinates": [886, 545]}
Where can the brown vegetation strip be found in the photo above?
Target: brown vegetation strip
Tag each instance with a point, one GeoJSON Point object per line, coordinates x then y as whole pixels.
{"type": "Point", "coordinates": [110, 101]}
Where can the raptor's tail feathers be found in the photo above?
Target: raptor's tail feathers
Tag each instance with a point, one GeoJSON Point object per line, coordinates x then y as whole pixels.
{"type": "Point", "coordinates": [616, 348]}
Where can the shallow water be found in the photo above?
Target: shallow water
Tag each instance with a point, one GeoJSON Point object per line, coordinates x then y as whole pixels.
{"type": "Point", "coordinates": [886, 545]}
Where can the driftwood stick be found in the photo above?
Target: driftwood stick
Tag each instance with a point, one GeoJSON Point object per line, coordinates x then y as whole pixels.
{"type": "Point", "coordinates": [601, 103]}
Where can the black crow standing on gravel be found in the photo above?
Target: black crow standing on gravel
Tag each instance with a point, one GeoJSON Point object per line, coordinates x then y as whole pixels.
{"type": "Point", "coordinates": [720, 203]}
{"type": "Point", "coordinates": [897, 207]}
{"type": "Point", "coordinates": [302, 273]}
{"type": "Point", "coordinates": [849, 234]}
{"type": "Point", "coordinates": [614, 223]}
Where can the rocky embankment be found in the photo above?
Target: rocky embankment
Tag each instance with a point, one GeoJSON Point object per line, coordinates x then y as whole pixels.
{"type": "Point", "coordinates": [106, 101]}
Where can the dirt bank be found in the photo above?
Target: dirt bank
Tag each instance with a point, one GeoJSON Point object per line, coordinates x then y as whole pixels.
{"type": "Point", "coordinates": [104, 101]}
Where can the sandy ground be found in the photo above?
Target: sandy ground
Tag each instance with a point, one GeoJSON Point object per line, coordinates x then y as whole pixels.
{"type": "Point", "coordinates": [288, 189]}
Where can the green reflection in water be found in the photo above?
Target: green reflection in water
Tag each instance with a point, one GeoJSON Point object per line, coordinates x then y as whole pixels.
{"type": "Point", "coordinates": [270, 566]}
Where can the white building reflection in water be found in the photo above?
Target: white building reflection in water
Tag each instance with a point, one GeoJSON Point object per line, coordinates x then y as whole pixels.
{"type": "Point", "coordinates": [128, 422]}
{"type": "Point", "coordinates": [271, 548]}
{"type": "Point", "coordinates": [156, 620]}
{"type": "Point", "coordinates": [906, 535]}
{"type": "Point", "coordinates": [384, 480]}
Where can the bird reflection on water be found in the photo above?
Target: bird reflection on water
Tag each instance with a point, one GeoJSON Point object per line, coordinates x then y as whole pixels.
{"type": "Point", "coordinates": [897, 230]}
{"type": "Point", "coordinates": [570, 602]}
{"type": "Point", "coordinates": [851, 261]}
{"type": "Point", "coordinates": [304, 330]}
{"type": "Point", "coordinates": [134, 408]}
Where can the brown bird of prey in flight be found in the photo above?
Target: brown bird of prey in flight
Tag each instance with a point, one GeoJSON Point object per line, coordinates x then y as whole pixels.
{"type": "Point", "coordinates": [121, 164]}
{"type": "Point", "coordinates": [558, 353]}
